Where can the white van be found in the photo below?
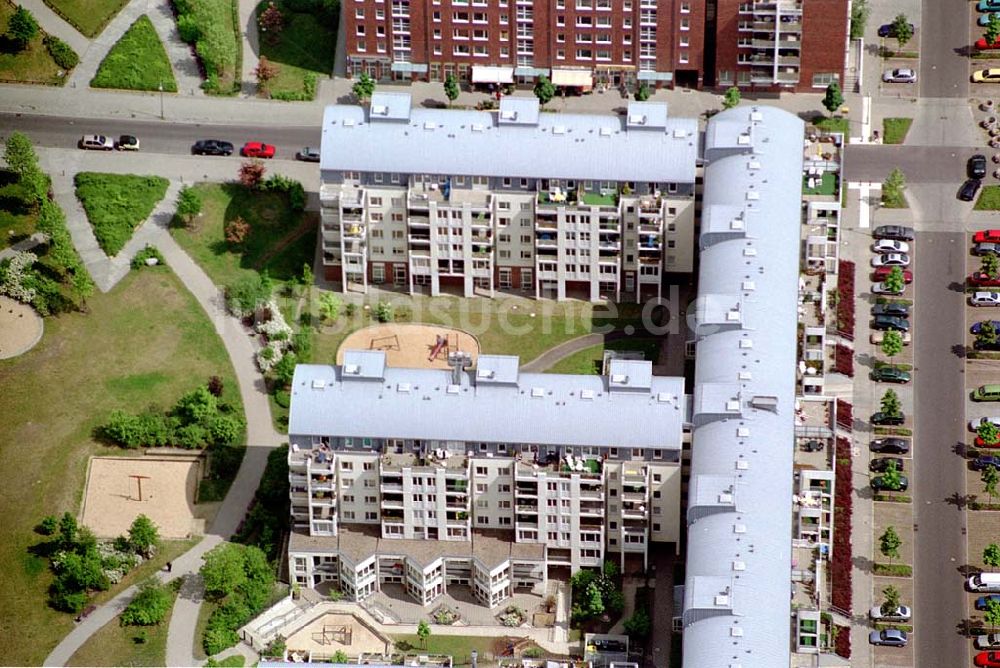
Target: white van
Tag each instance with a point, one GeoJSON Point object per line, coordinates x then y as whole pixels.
{"type": "Point", "coordinates": [984, 582]}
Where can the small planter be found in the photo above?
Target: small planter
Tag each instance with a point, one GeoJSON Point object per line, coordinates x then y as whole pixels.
{"type": "Point", "coordinates": [986, 105]}
{"type": "Point", "coordinates": [988, 122]}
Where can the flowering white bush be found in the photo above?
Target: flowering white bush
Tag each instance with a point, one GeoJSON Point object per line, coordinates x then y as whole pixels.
{"type": "Point", "coordinates": [276, 329]}
{"type": "Point", "coordinates": [270, 355]}
{"type": "Point", "coordinates": [12, 275]}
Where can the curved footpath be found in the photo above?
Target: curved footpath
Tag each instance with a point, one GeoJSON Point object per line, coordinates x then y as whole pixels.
{"type": "Point", "coordinates": [550, 357]}
{"type": "Point", "coordinates": [261, 438]}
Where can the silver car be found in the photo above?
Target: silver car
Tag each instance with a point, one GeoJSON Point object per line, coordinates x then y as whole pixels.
{"type": "Point", "coordinates": [900, 614]}
{"type": "Point", "coordinates": [988, 641]}
{"type": "Point", "coordinates": [900, 75]}
{"type": "Point", "coordinates": [984, 299]}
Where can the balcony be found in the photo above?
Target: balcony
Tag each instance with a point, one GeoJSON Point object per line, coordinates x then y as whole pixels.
{"type": "Point", "coordinates": [546, 240]}
{"type": "Point", "coordinates": [592, 509]}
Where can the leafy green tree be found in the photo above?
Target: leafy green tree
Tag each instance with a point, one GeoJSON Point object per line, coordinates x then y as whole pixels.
{"type": "Point", "coordinates": [987, 338]}
{"type": "Point", "coordinates": [198, 405]}
{"type": "Point", "coordinates": [248, 294]}
{"type": "Point", "coordinates": [892, 478]}
{"type": "Point", "coordinates": [22, 27]}
{"type": "Point", "coordinates": [149, 606]}
{"type": "Point", "coordinates": [992, 30]}
{"type": "Point", "coordinates": [67, 531]}
{"type": "Point", "coordinates": [638, 625]}
{"type": "Point", "coordinates": [188, 204]}
{"type": "Point", "coordinates": [891, 602]}
{"type": "Point", "coordinates": [901, 29]}
{"type": "Point", "coordinates": [892, 344]}
{"type": "Point", "coordinates": [892, 189]}
{"type": "Point", "coordinates": [642, 93]}
{"type": "Point", "coordinates": [991, 556]}
{"type": "Point", "coordinates": [284, 370]}
{"type": "Point", "coordinates": [423, 632]}
{"type": "Point", "coordinates": [834, 99]}
{"type": "Point", "coordinates": [990, 480]}
{"type": "Point", "coordinates": [889, 543]}
{"type": "Point", "coordinates": [363, 88]}
{"type": "Point", "coordinates": [143, 536]}
{"type": "Point", "coordinates": [82, 572]}
{"type": "Point", "coordinates": [992, 613]}
{"type": "Point", "coordinates": [307, 278]}
{"type": "Point", "coordinates": [451, 90]}
{"type": "Point", "coordinates": [48, 526]}
{"type": "Point", "coordinates": [329, 306]}
{"type": "Point", "coordinates": [544, 90]}
{"type": "Point", "coordinates": [223, 570]}
{"type": "Point", "coordinates": [594, 600]}
{"type": "Point", "coordinates": [990, 264]}
{"type": "Point", "coordinates": [890, 403]}
{"type": "Point", "coordinates": [731, 98]}
{"type": "Point", "coordinates": [894, 280]}
{"type": "Point", "coordinates": [384, 312]}
{"type": "Point", "coordinates": [340, 657]}
{"type": "Point", "coordinates": [19, 154]}
{"type": "Point", "coordinates": [860, 12]}
{"type": "Point", "coordinates": [989, 432]}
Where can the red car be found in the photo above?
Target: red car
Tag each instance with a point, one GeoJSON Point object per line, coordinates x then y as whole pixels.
{"type": "Point", "coordinates": [881, 273]}
{"type": "Point", "coordinates": [987, 659]}
{"type": "Point", "coordinates": [981, 44]}
{"type": "Point", "coordinates": [980, 443]}
{"type": "Point", "coordinates": [256, 149]}
{"type": "Point", "coordinates": [983, 236]}
{"type": "Point", "coordinates": [982, 279]}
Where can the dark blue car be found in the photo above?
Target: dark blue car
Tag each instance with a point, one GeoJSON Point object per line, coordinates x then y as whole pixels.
{"type": "Point", "coordinates": [982, 461]}
{"type": "Point", "coordinates": [979, 325]}
{"type": "Point", "coordinates": [889, 30]}
{"type": "Point", "coordinates": [983, 601]}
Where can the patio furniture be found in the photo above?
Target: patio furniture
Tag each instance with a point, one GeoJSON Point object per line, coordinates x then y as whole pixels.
{"type": "Point", "coordinates": [812, 182]}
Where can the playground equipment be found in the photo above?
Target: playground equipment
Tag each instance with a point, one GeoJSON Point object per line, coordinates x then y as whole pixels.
{"type": "Point", "coordinates": [447, 343]}
{"type": "Point", "coordinates": [384, 343]}
{"type": "Point", "coordinates": [334, 633]}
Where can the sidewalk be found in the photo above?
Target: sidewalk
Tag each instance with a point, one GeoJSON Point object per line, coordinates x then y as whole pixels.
{"type": "Point", "coordinates": [54, 24]}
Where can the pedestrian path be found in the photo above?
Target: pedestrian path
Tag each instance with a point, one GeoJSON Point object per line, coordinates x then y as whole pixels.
{"type": "Point", "coordinates": [181, 55]}
{"type": "Point", "coordinates": [251, 47]}
{"type": "Point", "coordinates": [55, 25]}
{"type": "Point", "coordinates": [90, 60]}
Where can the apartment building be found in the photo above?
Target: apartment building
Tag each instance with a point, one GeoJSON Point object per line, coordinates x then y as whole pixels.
{"type": "Point", "coordinates": [552, 205]}
{"type": "Point", "coordinates": [586, 44]}
{"type": "Point", "coordinates": [486, 478]}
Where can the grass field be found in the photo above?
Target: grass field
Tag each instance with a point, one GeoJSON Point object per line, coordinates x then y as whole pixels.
{"type": "Point", "coordinates": [16, 220]}
{"type": "Point", "coordinates": [894, 130]}
{"type": "Point", "coordinates": [589, 360]}
{"type": "Point", "coordinates": [989, 199]}
{"type": "Point", "coordinates": [270, 219]}
{"type": "Point", "coordinates": [144, 343]}
{"type": "Point", "coordinates": [117, 203]}
{"type": "Point", "coordinates": [307, 44]}
{"type": "Point", "coordinates": [32, 64]}
{"type": "Point", "coordinates": [831, 124]}
{"type": "Point", "coordinates": [137, 62]}
{"type": "Point", "coordinates": [215, 36]}
{"type": "Point", "coordinates": [459, 647]}
{"type": "Point", "coordinates": [87, 16]}
{"type": "Point", "coordinates": [117, 645]}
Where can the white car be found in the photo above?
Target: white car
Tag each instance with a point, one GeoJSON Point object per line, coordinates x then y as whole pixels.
{"type": "Point", "coordinates": [877, 338]}
{"type": "Point", "coordinates": [891, 260]}
{"type": "Point", "coordinates": [988, 641]}
{"type": "Point", "coordinates": [97, 142]}
{"type": "Point", "coordinates": [900, 75]}
{"type": "Point", "coordinates": [984, 299]}
{"type": "Point", "coordinates": [900, 614]}
{"type": "Point", "coordinates": [890, 246]}
{"type": "Point", "coordinates": [881, 289]}
{"type": "Point", "coordinates": [974, 424]}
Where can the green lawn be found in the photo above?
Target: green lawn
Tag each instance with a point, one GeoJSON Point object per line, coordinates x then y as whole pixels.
{"type": "Point", "coordinates": [137, 62]}
{"type": "Point", "coordinates": [894, 130]}
{"type": "Point", "coordinates": [87, 16]}
{"type": "Point", "coordinates": [989, 199]}
{"type": "Point", "coordinates": [234, 661]}
{"type": "Point", "coordinates": [307, 44]}
{"type": "Point", "coordinates": [117, 203]}
{"type": "Point", "coordinates": [17, 220]}
{"type": "Point", "coordinates": [270, 219]}
{"type": "Point", "coordinates": [831, 124]}
{"type": "Point", "coordinates": [144, 343]}
{"type": "Point", "coordinates": [211, 29]}
{"type": "Point", "coordinates": [458, 647]}
{"type": "Point", "coordinates": [827, 185]}
{"type": "Point", "coordinates": [32, 64]}
{"type": "Point", "coordinates": [589, 360]}
{"type": "Point", "coordinates": [597, 199]}
{"type": "Point", "coordinates": [117, 645]}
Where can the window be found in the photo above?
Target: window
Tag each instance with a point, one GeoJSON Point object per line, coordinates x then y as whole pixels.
{"type": "Point", "coordinates": [346, 466]}
{"type": "Point", "coordinates": [683, 57]}
{"type": "Point", "coordinates": [824, 79]}
{"type": "Point", "coordinates": [481, 488]}
{"type": "Point", "coordinates": [361, 30]}
{"type": "Point", "coordinates": [685, 24]}
{"type": "Point", "coordinates": [359, 13]}
{"type": "Point", "coordinates": [371, 499]}
{"type": "Point", "coordinates": [348, 514]}
{"type": "Point", "coordinates": [685, 8]}
{"type": "Point", "coordinates": [656, 526]}
{"type": "Point", "coordinates": [480, 470]}
{"type": "Point", "coordinates": [371, 516]}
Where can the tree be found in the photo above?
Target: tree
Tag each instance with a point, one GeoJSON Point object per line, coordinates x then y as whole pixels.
{"type": "Point", "coordinates": [991, 556]}
{"type": "Point", "coordinates": [247, 294]}
{"type": "Point", "coordinates": [992, 29]}
{"type": "Point", "coordinates": [990, 479]}
{"type": "Point", "coordinates": [594, 599]}
{"type": "Point", "coordinates": [833, 99]}
{"type": "Point", "coordinates": [901, 29]}
{"type": "Point", "coordinates": [284, 370]}
{"type": "Point", "coordinates": [544, 90]}
{"type": "Point", "coordinates": [892, 344]}
{"type": "Point", "coordinates": [252, 173]}
{"type": "Point", "coordinates": [67, 531]}
{"type": "Point", "coordinates": [642, 93]}
{"type": "Point", "coordinates": [890, 403]}
{"type": "Point", "coordinates": [215, 386]}
{"type": "Point", "coordinates": [188, 204]}
{"type": "Point", "coordinates": [891, 602]}
{"type": "Point", "coordinates": [19, 154]}
{"type": "Point", "coordinates": [363, 88]}
{"type": "Point", "coordinates": [307, 278]}
{"type": "Point", "coordinates": [990, 265]}
{"type": "Point", "coordinates": [892, 189]}
{"type": "Point", "coordinates": [149, 606]}
{"type": "Point", "coordinates": [986, 337]}
{"type": "Point", "coordinates": [451, 88]}
{"type": "Point", "coordinates": [22, 27]}
{"type": "Point", "coordinates": [265, 72]}
{"type": "Point", "coordinates": [384, 312]}
{"type": "Point", "coordinates": [989, 432]}
{"type": "Point", "coordinates": [638, 625]}
{"type": "Point", "coordinates": [237, 230]}
{"type": "Point", "coordinates": [731, 98]}
{"type": "Point", "coordinates": [339, 657]}
{"type": "Point", "coordinates": [992, 613]}
{"type": "Point", "coordinates": [271, 22]}
{"type": "Point", "coordinates": [423, 632]}
{"type": "Point", "coordinates": [48, 526]}
{"type": "Point", "coordinates": [892, 478]}
{"type": "Point", "coordinates": [223, 570]}
{"type": "Point", "coordinates": [859, 18]}
{"type": "Point", "coordinates": [143, 536]}
{"type": "Point", "coordinates": [329, 306]}
{"type": "Point", "coordinates": [894, 280]}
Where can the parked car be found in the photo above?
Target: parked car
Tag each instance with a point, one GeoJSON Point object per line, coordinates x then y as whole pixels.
{"type": "Point", "coordinates": [881, 288]}
{"type": "Point", "coordinates": [984, 19]}
{"type": "Point", "coordinates": [989, 75]}
{"type": "Point", "coordinates": [891, 260]}
{"type": "Point", "coordinates": [881, 464]}
{"type": "Point", "coordinates": [978, 326]}
{"type": "Point", "coordinates": [212, 147]}
{"type": "Point", "coordinates": [980, 443]}
{"type": "Point", "coordinates": [127, 143]}
{"type": "Point", "coordinates": [899, 75]}
{"type": "Point", "coordinates": [880, 273]}
{"type": "Point", "coordinates": [256, 149]}
{"type": "Point", "coordinates": [889, 30]}
{"type": "Point", "coordinates": [891, 445]}
{"type": "Point", "coordinates": [888, 638]}
{"type": "Point", "coordinates": [893, 232]}
{"type": "Point", "coordinates": [974, 424]}
{"type": "Point", "coordinates": [308, 154]}
{"type": "Point", "coordinates": [987, 641]}
{"type": "Point", "coordinates": [878, 337]}
{"type": "Point", "coordinates": [96, 142]}
{"type": "Point", "coordinates": [983, 45]}
{"type": "Point", "coordinates": [881, 484]}
{"type": "Point", "coordinates": [888, 374]}
{"type": "Point", "coordinates": [982, 345]}
{"type": "Point", "coordinates": [987, 660]}
{"type": "Point", "coordinates": [981, 278]}
{"type": "Point", "coordinates": [984, 299]}
{"type": "Point", "coordinates": [890, 246]}
{"type": "Point", "coordinates": [884, 419]}
{"type": "Point", "coordinates": [968, 191]}
{"type": "Point", "coordinates": [981, 462]}
{"type": "Point", "coordinates": [988, 6]}
{"type": "Point", "coordinates": [891, 308]}
{"type": "Point", "coordinates": [986, 235]}
{"type": "Point", "coordinates": [976, 167]}
{"type": "Point", "coordinates": [986, 248]}
{"type": "Point", "coordinates": [983, 601]}
{"type": "Point", "coordinates": [887, 322]}
{"type": "Point", "coordinates": [901, 614]}
{"type": "Point", "coordinates": [987, 392]}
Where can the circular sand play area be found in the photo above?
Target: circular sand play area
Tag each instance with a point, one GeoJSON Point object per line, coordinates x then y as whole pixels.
{"type": "Point", "coordinates": [20, 328]}
{"type": "Point", "coordinates": [412, 346]}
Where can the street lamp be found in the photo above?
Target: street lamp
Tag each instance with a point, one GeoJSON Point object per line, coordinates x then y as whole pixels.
{"type": "Point", "coordinates": [161, 99]}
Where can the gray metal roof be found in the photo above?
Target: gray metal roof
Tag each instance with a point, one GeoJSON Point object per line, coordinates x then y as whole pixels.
{"type": "Point", "coordinates": [545, 409]}
{"type": "Point", "coordinates": [552, 145]}
{"type": "Point", "coordinates": [737, 591]}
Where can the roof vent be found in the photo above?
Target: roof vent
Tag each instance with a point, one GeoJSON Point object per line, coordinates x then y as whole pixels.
{"type": "Point", "coordinates": [749, 285]}
{"type": "Point", "coordinates": [637, 119]}
{"type": "Point", "coordinates": [605, 132]}
{"type": "Point", "coordinates": [733, 316]}
{"type": "Point", "coordinates": [587, 394]}
{"type": "Point", "coordinates": [429, 125]}
{"type": "Point", "coordinates": [664, 397]}
{"type": "Point", "coordinates": [733, 405]}
{"type": "Point", "coordinates": [743, 140]}
{"type": "Point", "coordinates": [403, 387]}
{"type": "Point", "coordinates": [736, 224]}
{"type": "Point", "coordinates": [739, 528]}
{"type": "Point", "coordinates": [743, 432]}
{"type": "Point", "coordinates": [477, 127]}
{"type": "Point", "coordinates": [746, 343]}
{"type": "Point", "coordinates": [735, 631]}
{"type": "Point", "coordinates": [756, 116]}
{"type": "Point", "coordinates": [352, 369]}
{"type": "Point", "coordinates": [485, 374]}
{"type": "Point", "coordinates": [318, 384]}
{"type": "Point", "coordinates": [453, 389]}
{"type": "Point", "coordinates": [721, 600]}
{"type": "Point", "coordinates": [508, 115]}
{"type": "Point", "coordinates": [739, 566]}
{"type": "Point", "coordinates": [679, 133]}
{"type": "Point", "coordinates": [726, 497]}
{"type": "Point", "coordinates": [619, 379]}
{"type": "Point", "coordinates": [754, 164]}
{"type": "Point", "coordinates": [558, 129]}
{"type": "Point", "coordinates": [749, 252]}
{"type": "Point", "coordinates": [538, 392]}
{"type": "Point", "coordinates": [753, 195]}
{"type": "Point", "coordinates": [348, 122]}
{"type": "Point", "coordinates": [380, 109]}
{"type": "Point", "coordinates": [742, 465]}
{"type": "Point", "coordinates": [765, 402]}
{"type": "Point", "coordinates": [746, 375]}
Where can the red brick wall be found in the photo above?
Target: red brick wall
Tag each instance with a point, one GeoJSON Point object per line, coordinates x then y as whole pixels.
{"type": "Point", "coordinates": [726, 37]}
{"type": "Point", "coordinates": [824, 40]}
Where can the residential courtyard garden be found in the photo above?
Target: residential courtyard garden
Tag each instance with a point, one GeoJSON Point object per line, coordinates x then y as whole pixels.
{"type": "Point", "coordinates": [301, 46]}
{"type": "Point", "coordinates": [41, 60]}
{"type": "Point", "coordinates": [88, 16]}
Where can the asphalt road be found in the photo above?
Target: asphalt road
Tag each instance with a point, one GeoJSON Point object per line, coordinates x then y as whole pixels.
{"type": "Point", "coordinates": [920, 164]}
{"type": "Point", "coordinates": [944, 70]}
{"type": "Point", "coordinates": [156, 136]}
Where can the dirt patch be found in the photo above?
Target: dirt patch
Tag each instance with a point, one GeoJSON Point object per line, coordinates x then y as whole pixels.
{"type": "Point", "coordinates": [20, 328]}
{"type": "Point", "coordinates": [412, 346]}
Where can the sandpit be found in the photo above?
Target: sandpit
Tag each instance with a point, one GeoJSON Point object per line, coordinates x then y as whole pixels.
{"type": "Point", "coordinates": [111, 500]}
{"type": "Point", "coordinates": [411, 345]}
{"type": "Point", "coordinates": [332, 632]}
{"type": "Point", "coordinates": [20, 328]}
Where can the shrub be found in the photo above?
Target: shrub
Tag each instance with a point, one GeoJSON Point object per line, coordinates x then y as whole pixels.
{"type": "Point", "coordinates": [840, 566]}
{"type": "Point", "coordinates": [845, 299]}
{"type": "Point", "coordinates": [248, 294]}
{"type": "Point", "coordinates": [134, 431]}
{"type": "Point", "coordinates": [149, 606]}
{"type": "Point", "coordinates": [204, 24]}
{"type": "Point", "coordinates": [139, 261]}
{"type": "Point", "coordinates": [48, 525]}
{"type": "Point", "coordinates": [236, 230]}
{"type": "Point", "coordinates": [383, 312]}
{"type": "Point", "coordinates": [188, 28]}
{"type": "Point", "coordinates": [215, 386]}
{"type": "Point", "coordinates": [22, 27]}
{"type": "Point", "coordinates": [844, 360]}
{"type": "Point", "coordinates": [252, 173]}
{"type": "Point", "coordinates": [279, 183]}
{"type": "Point", "coordinates": [61, 52]}
{"type": "Point", "coordinates": [845, 414]}
{"type": "Point", "coordinates": [533, 653]}
{"type": "Point", "coordinates": [638, 625]}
